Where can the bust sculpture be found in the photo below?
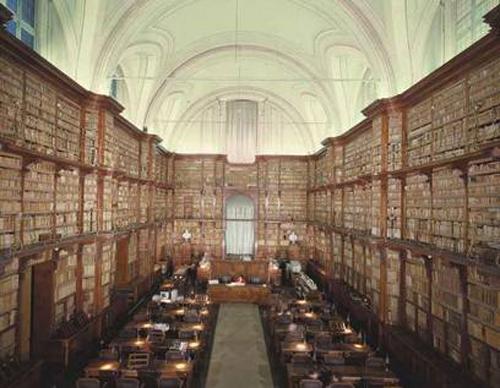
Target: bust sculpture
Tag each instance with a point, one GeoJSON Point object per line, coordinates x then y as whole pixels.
{"type": "Point", "coordinates": [186, 235]}
{"type": "Point", "coordinates": [293, 238]}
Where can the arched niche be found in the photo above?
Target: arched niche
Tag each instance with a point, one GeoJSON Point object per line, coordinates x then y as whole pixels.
{"type": "Point", "coordinates": [239, 236]}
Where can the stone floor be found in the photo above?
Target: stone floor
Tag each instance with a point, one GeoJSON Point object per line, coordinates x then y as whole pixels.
{"type": "Point", "coordinates": [239, 357]}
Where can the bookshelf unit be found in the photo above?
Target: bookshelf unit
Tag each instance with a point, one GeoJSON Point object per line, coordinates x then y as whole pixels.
{"type": "Point", "coordinates": [74, 177]}
{"type": "Point", "coordinates": [414, 194]}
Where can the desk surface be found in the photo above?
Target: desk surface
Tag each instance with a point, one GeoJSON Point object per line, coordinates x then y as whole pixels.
{"type": "Point", "coordinates": [221, 293]}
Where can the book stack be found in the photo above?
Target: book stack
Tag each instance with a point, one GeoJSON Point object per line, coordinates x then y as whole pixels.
{"type": "Point", "coordinates": [143, 203]}
{"type": "Point", "coordinates": [40, 107]}
{"type": "Point", "coordinates": [336, 255]}
{"type": "Point", "coordinates": [419, 126]}
{"type": "Point", "coordinates": [375, 202]}
{"type": "Point", "coordinates": [359, 280]}
{"type": "Point", "coordinates": [362, 208]}
{"type": "Point", "coordinates": [417, 297]}
{"type": "Point", "coordinates": [144, 264]}
{"type": "Point", "coordinates": [322, 207]}
{"type": "Point", "coordinates": [337, 206]}
{"type": "Point", "coordinates": [89, 252]}
{"type": "Point", "coordinates": [394, 155]}
{"type": "Point", "coordinates": [108, 271]}
{"type": "Point", "coordinates": [349, 207]}
{"type": "Point", "coordinates": [107, 205]}
{"type": "Point", "coordinates": [38, 202]}
{"type": "Point", "coordinates": [91, 127]}
{"type": "Point", "coordinates": [348, 262]}
{"type": "Point", "coordinates": [133, 267]}
{"type": "Point", "coordinates": [447, 309]}
{"type": "Point", "coordinates": [144, 160]}
{"type": "Point", "coordinates": [127, 150]}
{"type": "Point", "coordinates": [67, 202]}
{"type": "Point", "coordinates": [11, 96]}
{"type": "Point", "coordinates": [67, 132]}
{"type": "Point", "coordinates": [450, 108]}
{"type": "Point", "coordinates": [482, 320]}
{"type": "Point", "coordinates": [394, 208]}
{"type": "Point", "coordinates": [242, 176]}
{"type": "Point", "coordinates": [393, 281]}
{"type": "Point", "coordinates": [484, 202]}
{"type": "Point", "coordinates": [110, 143]}
{"type": "Point", "coordinates": [90, 203]}
{"type": "Point", "coordinates": [65, 287]}
{"type": "Point", "coordinates": [293, 175]}
{"type": "Point", "coordinates": [338, 163]}
{"type": "Point", "coordinates": [188, 173]}
{"type": "Point", "coordinates": [10, 201]}
{"type": "Point", "coordinates": [482, 123]}
{"type": "Point", "coordinates": [418, 208]}
{"type": "Point", "coordinates": [376, 146]}
{"type": "Point", "coordinates": [448, 209]}
{"type": "Point", "coordinates": [160, 167]}
{"type": "Point", "coordinates": [9, 286]}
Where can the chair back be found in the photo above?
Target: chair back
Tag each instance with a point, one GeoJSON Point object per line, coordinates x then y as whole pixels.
{"type": "Point", "coordinates": [127, 382]}
{"type": "Point", "coordinates": [138, 360]}
{"type": "Point", "coordinates": [324, 340]}
{"type": "Point", "coordinates": [170, 382]}
{"type": "Point", "coordinates": [375, 362]}
{"type": "Point", "coordinates": [186, 334]}
{"type": "Point", "coordinates": [86, 382]}
{"type": "Point", "coordinates": [301, 359]}
{"type": "Point", "coordinates": [156, 336]}
{"type": "Point", "coordinates": [108, 354]}
{"type": "Point", "coordinates": [334, 358]}
{"type": "Point", "coordinates": [296, 335]}
{"type": "Point", "coordinates": [310, 383]}
{"type": "Point", "coordinates": [174, 355]}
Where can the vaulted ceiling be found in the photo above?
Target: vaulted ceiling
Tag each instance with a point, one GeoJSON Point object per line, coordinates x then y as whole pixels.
{"type": "Point", "coordinates": [311, 64]}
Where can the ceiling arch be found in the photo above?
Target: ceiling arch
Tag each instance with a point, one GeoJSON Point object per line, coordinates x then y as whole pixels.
{"type": "Point", "coordinates": [335, 55]}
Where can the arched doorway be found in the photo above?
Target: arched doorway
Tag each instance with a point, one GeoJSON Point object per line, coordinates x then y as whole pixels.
{"type": "Point", "coordinates": [240, 231]}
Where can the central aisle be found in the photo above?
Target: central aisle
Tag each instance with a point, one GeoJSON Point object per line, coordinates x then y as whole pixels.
{"type": "Point", "coordinates": [239, 356]}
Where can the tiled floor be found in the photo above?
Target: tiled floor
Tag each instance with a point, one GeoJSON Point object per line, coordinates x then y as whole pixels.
{"type": "Point", "coordinates": [239, 357]}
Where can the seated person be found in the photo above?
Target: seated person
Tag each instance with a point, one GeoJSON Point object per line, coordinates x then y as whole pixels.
{"type": "Point", "coordinates": [239, 279]}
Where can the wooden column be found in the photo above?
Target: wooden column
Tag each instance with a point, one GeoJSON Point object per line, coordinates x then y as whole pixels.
{"type": "Point", "coordinates": [428, 269]}
{"type": "Point", "coordinates": [383, 294]}
{"type": "Point", "coordinates": [23, 322]}
{"type": "Point", "coordinates": [402, 289]}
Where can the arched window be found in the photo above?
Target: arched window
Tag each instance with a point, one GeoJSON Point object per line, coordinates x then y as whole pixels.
{"type": "Point", "coordinates": [469, 25]}
{"type": "Point", "coordinates": [117, 85]}
{"type": "Point", "coordinates": [22, 25]}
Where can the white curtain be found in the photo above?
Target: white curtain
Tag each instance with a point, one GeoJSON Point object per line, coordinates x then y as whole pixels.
{"type": "Point", "coordinates": [241, 131]}
{"type": "Point", "coordinates": [240, 226]}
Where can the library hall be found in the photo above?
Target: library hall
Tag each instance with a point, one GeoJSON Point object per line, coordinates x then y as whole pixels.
{"type": "Point", "coordinates": [249, 193]}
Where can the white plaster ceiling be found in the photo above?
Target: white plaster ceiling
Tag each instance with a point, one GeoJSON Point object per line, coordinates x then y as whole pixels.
{"type": "Point", "coordinates": [313, 64]}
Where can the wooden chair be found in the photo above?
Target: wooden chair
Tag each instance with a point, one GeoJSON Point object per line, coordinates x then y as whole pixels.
{"type": "Point", "coordinates": [156, 337]}
{"type": "Point", "coordinates": [301, 359]}
{"type": "Point", "coordinates": [186, 334]}
{"type": "Point", "coordinates": [138, 360]}
{"type": "Point", "coordinates": [108, 354]}
{"type": "Point", "coordinates": [334, 358]}
{"type": "Point", "coordinates": [86, 382]}
{"type": "Point", "coordinates": [340, 385]}
{"type": "Point", "coordinates": [128, 383]}
{"type": "Point", "coordinates": [174, 355]}
{"type": "Point", "coordinates": [310, 383]}
{"type": "Point", "coordinates": [375, 362]}
{"type": "Point", "coordinates": [170, 382]}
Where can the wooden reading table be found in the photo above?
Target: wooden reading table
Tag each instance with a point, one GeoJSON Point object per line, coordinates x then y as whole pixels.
{"type": "Point", "coordinates": [222, 293]}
